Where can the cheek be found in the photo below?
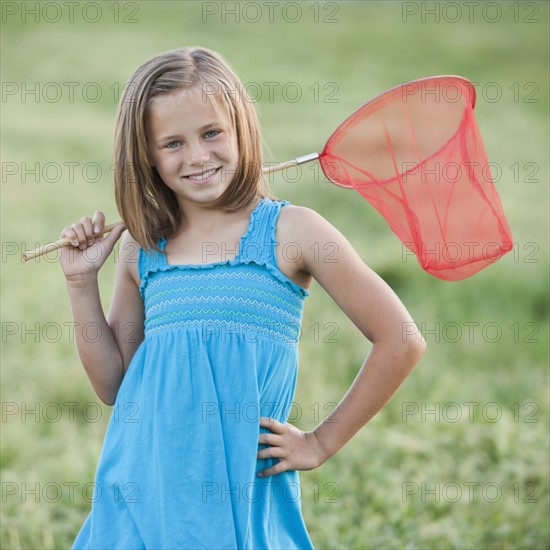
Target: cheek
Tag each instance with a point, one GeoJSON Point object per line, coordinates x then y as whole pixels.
{"type": "Point", "coordinates": [228, 145]}
{"type": "Point", "coordinates": [230, 151]}
{"type": "Point", "coordinates": [165, 163]}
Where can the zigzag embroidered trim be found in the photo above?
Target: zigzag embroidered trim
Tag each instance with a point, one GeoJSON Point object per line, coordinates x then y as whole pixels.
{"type": "Point", "coordinates": [228, 297]}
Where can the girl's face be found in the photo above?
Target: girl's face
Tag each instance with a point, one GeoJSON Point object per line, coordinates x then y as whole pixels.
{"type": "Point", "coordinates": [193, 146]}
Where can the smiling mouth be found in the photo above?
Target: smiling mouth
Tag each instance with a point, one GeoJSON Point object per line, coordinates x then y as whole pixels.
{"type": "Point", "coordinates": [203, 176]}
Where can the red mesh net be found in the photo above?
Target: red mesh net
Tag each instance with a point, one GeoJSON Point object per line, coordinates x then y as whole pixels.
{"type": "Point", "coordinates": [416, 154]}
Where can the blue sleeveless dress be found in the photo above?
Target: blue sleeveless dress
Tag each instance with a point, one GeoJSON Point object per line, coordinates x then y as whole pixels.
{"type": "Point", "coordinates": [178, 464]}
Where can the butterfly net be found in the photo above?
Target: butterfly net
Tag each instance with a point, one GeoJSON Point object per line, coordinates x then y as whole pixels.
{"type": "Point", "coordinates": [416, 154]}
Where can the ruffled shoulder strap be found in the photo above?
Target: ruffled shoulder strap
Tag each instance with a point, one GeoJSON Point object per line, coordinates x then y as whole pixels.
{"type": "Point", "coordinates": [259, 244]}
{"type": "Point", "coordinates": [148, 261]}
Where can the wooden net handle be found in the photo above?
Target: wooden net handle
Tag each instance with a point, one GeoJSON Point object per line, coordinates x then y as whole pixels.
{"type": "Point", "coordinates": [64, 241]}
{"type": "Point", "coordinates": [50, 247]}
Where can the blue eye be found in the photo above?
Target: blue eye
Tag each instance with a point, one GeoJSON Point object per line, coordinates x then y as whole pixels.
{"type": "Point", "coordinates": [211, 133]}
{"type": "Point", "coordinates": [173, 144]}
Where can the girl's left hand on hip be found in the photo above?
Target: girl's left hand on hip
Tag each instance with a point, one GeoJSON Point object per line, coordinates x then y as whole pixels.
{"type": "Point", "coordinates": [295, 449]}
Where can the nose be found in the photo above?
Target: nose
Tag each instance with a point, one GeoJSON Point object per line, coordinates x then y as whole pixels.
{"type": "Point", "coordinates": [196, 154]}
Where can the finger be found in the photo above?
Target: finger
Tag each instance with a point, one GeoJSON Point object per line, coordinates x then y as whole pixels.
{"type": "Point", "coordinates": [80, 234]}
{"type": "Point", "coordinates": [98, 220]}
{"type": "Point", "coordinates": [277, 469]}
{"type": "Point", "coordinates": [70, 234]}
{"type": "Point", "coordinates": [269, 439]}
{"type": "Point", "coordinates": [271, 452]}
{"type": "Point", "coordinates": [271, 424]}
{"type": "Point", "coordinates": [88, 227]}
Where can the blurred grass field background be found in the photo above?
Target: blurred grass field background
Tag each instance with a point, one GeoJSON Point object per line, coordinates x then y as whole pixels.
{"type": "Point", "coordinates": [459, 456]}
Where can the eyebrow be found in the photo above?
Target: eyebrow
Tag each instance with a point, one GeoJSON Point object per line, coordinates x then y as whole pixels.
{"type": "Point", "coordinates": [177, 136]}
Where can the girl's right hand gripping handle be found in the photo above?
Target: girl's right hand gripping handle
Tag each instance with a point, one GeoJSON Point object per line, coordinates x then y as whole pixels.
{"type": "Point", "coordinates": [50, 247]}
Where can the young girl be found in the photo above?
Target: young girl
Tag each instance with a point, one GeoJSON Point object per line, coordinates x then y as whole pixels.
{"type": "Point", "coordinates": [198, 353]}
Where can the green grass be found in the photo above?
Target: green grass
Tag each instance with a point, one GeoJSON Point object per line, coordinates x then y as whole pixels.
{"type": "Point", "coordinates": [356, 499]}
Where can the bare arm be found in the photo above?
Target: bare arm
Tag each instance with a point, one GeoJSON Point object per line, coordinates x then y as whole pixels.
{"type": "Point", "coordinates": [103, 347]}
{"type": "Point", "coordinates": [379, 314]}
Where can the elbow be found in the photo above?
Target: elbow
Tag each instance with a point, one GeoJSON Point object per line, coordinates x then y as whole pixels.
{"type": "Point", "coordinates": [107, 400]}
{"type": "Point", "coordinates": [107, 390]}
{"type": "Point", "coordinates": [413, 350]}
{"type": "Point", "coordinates": [412, 342]}
{"type": "Point", "coordinates": [404, 354]}
{"type": "Point", "coordinates": [420, 349]}
{"type": "Point", "coordinates": [107, 397]}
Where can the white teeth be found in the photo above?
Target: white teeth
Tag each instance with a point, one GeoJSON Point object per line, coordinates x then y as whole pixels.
{"type": "Point", "coordinates": [203, 176]}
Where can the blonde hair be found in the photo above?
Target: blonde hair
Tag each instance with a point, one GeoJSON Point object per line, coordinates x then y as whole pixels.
{"type": "Point", "coordinates": [147, 205]}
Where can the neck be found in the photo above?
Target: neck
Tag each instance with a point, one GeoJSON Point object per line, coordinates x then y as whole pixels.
{"type": "Point", "coordinates": [207, 219]}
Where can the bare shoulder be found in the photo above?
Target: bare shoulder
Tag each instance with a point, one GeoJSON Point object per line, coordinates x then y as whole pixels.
{"type": "Point", "coordinates": [301, 224]}
{"type": "Point", "coordinates": [314, 237]}
{"type": "Point", "coordinates": [294, 218]}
